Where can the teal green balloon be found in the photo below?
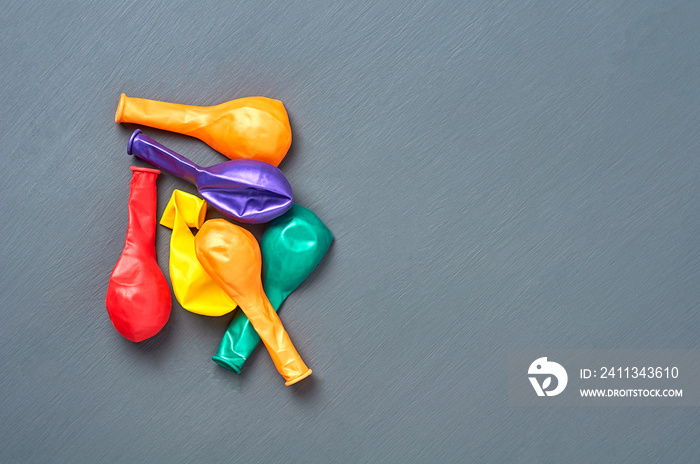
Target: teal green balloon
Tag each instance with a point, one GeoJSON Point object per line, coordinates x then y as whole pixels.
{"type": "Point", "coordinates": [292, 246]}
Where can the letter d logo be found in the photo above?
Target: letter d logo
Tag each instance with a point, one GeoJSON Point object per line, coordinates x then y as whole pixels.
{"type": "Point", "coordinates": [541, 368]}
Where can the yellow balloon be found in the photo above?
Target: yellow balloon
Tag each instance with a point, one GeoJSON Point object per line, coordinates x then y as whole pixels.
{"type": "Point", "coordinates": [193, 287]}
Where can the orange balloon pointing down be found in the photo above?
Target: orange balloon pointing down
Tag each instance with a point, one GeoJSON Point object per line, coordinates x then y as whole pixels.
{"type": "Point", "coordinates": [231, 256]}
{"type": "Point", "coordinates": [254, 127]}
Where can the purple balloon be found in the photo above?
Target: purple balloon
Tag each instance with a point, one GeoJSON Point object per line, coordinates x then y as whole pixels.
{"type": "Point", "coordinates": [247, 190]}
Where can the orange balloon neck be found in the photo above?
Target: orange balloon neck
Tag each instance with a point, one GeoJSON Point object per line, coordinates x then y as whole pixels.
{"type": "Point", "coordinates": [250, 295]}
{"type": "Point", "coordinates": [162, 115]}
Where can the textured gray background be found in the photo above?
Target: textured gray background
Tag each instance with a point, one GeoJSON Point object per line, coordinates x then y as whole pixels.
{"type": "Point", "coordinates": [498, 176]}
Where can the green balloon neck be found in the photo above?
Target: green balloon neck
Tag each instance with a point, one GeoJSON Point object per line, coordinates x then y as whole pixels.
{"type": "Point", "coordinates": [227, 356]}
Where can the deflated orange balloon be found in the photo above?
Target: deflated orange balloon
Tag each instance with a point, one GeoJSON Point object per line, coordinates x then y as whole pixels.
{"type": "Point", "coordinates": [231, 256]}
{"type": "Point", "coordinates": [254, 127]}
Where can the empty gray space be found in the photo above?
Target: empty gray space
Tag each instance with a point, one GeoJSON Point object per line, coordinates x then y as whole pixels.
{"type": "Point", "coordinates": [498, 176]}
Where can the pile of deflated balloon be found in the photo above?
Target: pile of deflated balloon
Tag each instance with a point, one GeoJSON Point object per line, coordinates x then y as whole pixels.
{"type": "Point", "coordinates": [219, 268]}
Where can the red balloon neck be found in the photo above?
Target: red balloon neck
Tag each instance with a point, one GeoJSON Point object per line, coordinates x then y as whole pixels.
{"type": "Point", "coordinates": [143, 198]}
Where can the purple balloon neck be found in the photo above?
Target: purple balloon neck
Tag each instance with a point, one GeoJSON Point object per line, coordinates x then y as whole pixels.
{"type": "Point", "coordinates": [149, 150]}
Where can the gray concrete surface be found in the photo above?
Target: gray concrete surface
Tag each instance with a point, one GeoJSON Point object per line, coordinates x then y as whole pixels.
{"type": "Point", "coordinates": [498, 176]}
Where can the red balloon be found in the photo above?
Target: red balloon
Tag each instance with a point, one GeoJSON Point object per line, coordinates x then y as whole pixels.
{"type": "Point", "coordinates": [138, 296]}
